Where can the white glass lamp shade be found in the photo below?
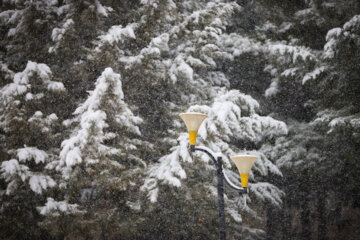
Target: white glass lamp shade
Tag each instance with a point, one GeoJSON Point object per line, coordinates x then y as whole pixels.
{"type": "Point", "coordinates": [193, 121]}
{"type": "Point", "coordinates": [244, 164]}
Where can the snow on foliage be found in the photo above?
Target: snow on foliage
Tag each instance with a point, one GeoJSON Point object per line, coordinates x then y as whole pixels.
{"type": "Point", "coordinates": [154, 49]}
{"type": "Point", "coordinates": [86, 145]}
{"type": "Point", "coordinates": [31, 153]}
{"type": "Point", "coordinates": [168, 170]}
{"type": "Point", "coordinates": [116, 34]}
{"type": "Point", "coordinates": [267, 192]}
{"type": "Point", "coordinates": [353, 25]}
{"type": "Point", "coordinates": [310, 14]}
{"type": "Point", "coordinates": [56, 208]}
{"type": "Point", "coordinates": [22, 89]}
{"type": "Point", "coordinates": [336, 120]}
{"type": "Point", "coordinates": [288, 62]}
{"type": "Point", "coordinates": [238, 111]}
{"type": "Point", "coordinates": [330, 45]}
{"type": "Point", "coordinates": [58, 33]}
{"type": "Point", "coordinates": [23, 81]}
{"type": "Point", "coordinates": [4, 69]}
{"type": "Point", "coordinates": [102, 10]}
{"type": "Point", "coordinates": [44, 123]}
{"type": "Point", "coordinates": [11, 168]}
{"type": "Point", "coordinates": [15, 171]}
{"type": "Point", "coordinates": [232, 114]}
{"type": "Point", "coordinates": [225, 115]}
{"type": "Point", "coordinates": [18, 105]}
{"type": "Point", "coordinates": [314, 74]}
{"type": "Point", "coordinates": [297, 152]}
{"type": "Point", "coordinates": [285, 60]}
{"type": "Point", "coordinates": [109, 83]}
{"type": "Point", "coordinates": [237, 44]}
{"type": "Point", "coordinates": [18, 19]}
{"type": "Point", "coordinates": [295, 52]}
{"type": "Point", "coordinates": [38, 183]}
{"type": "Point", "coordinates": [181, 42]}
{"type": "Point", "coordinates": [199, 52]}
{"type": "Point", "coordinates": [335, 36]}
{"type": "Point", "coordinates": [180, 69]}
{"type": "Point", "coordinates": [289, 72]}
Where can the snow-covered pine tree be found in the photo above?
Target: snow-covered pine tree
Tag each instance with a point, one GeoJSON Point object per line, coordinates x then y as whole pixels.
{"type": "Point", "coordinates": [171, 55]}
{"type": "Point", "coordinates": [232, 119]}
{"type": "Point", "coordinates": [29, 127]}
{"type": "Point", "coordinates": [26, 27]}
{"type": "Point", "coordinates": [338, 115]}
{"type": "Point", "coordinates": [321, 148]}
{"type": "Point", "coordinates": [288, 64]}
{"type": "Point", "coordinates": [194, 70]}
{"type": "Point", "coordinates": [99, 166]}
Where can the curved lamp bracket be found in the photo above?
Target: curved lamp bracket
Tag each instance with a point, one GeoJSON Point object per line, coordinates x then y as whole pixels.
{"type": "Point", "coordinates": [217, 158]}
{"type": "Point", "coordinates": [232, 185]}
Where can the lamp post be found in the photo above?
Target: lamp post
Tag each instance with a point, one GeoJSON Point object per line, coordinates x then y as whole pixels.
{"type": "Point", "coordinates": [244, 164]}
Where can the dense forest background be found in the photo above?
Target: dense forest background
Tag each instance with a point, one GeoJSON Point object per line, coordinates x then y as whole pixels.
{"type": "Point", "coordinates": [92, 147]}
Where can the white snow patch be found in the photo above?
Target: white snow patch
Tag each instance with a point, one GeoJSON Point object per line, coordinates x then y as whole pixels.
{"type": "Point", "coordinates": [58, 34]}
{"type": "Point", "coordinates": [31, 153]}
{"type": "Point", "coordinates": [101, 10]}
{"type": "Point", "coordinates": [55, 208]}
{"type": "Point", "coordinates": [314, 74]}
{"type": "Point", "coordinates": [38, 183]}
{"type": "Point", "coordinates": [116, 34]}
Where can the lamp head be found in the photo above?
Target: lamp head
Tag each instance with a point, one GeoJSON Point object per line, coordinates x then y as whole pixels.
{"type": "Point", "coordinates": [244, 164]}
{"type": "Point", "coordinates": [193, 120]}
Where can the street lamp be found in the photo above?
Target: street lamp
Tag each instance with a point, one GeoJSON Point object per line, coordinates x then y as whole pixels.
{"type": "Point", "coordinates": [244, 164]}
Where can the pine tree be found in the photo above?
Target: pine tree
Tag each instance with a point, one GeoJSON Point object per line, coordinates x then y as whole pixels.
{"type": "Point", "coordinates": [231, 112]}
{"type": "Point", "coordinates": [338, 115]}
{"type": "Point", "coordinates": [239, 62]}
{"type": "Point", "coordinates": [196, 68]}
{"type": "Point", "coordinates": [317, 151]}
{"type": "Point", "coordinates": [28, 125]}
{"type": "Point", "coordinates": [177, 62]}
{"type": "Point", "coordinates": [99, 166]}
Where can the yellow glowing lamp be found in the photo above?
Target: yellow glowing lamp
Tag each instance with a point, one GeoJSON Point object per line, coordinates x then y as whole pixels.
{"type": "Point", "coordinates": [193, 120]}
{"type": "Point", "coordinates": [244, 164]}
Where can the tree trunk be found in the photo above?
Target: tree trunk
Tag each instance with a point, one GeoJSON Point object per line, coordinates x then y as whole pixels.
{"type": "Point", "coordinates": [286, 222]}
{"type": "Point", "coordinates": [271, 223]}
{"type": "Point", "coordinates": [338, 214]}
{"type": "Point", "coordinates": [321, 218]}
{"type": "Point", "coordinates": [305, 218]}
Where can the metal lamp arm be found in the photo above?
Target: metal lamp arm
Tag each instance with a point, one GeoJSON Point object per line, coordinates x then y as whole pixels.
{"type": "Point", "coordinates": [232, 185]}
{"type": "Point", "coordinates": [214, 157]}
{"type": "Point", "coordinates": [206, 150]}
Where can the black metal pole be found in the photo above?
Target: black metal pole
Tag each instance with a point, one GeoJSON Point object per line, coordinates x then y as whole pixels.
{"type": "Point", "coordinates": [220, 177]}
{"type": "Point", "coordinates": [222, 224]}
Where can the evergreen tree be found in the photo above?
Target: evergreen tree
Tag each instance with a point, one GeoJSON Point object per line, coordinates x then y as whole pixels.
{"type": "Point", "coordinates": [29, 126]}
{"type": "Point", "coordinates": [243, 63]}
{"type": "Point", "coordinates": [317, 151]}
{"type": "Point", "coordinates": [196, 68]}
{"type": "Point", "coordinates": [231, 112]}
{"type": "Point", "coordinates": [99, 166]}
